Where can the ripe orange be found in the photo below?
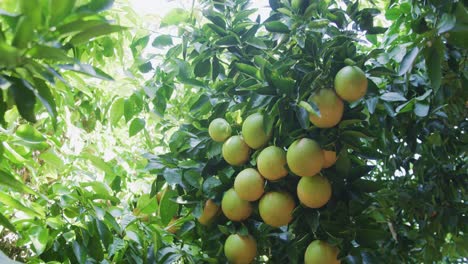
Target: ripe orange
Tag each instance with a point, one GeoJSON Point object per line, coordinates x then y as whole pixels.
{"type": "Point", "coordinates": [271, 163]}
{"type": "Point", "coordinates": [321, 252]}
{"type": "Point", "coordinates": [234, 207]}
{"type": "Point", "coordinates": [329, 158]}
{"type": "Point", "coordinates": [304, 157]}
{"type": "Point", "coordinates": [331, 109]}
{"type": "Point", "coordinates": [314, 192]}
{"type": "Point", "coordinates": [219, 130]}
{"type": "Point", "coordinates": [210, 210]}
{"type": "Point", "coordinates": [249, 185]}
{"type": "Point", "coordinates": [351, 83]}
{"type": "Point", "coordinates": [235, 151]}
{"type": "Point", "coordinates": [276, 208]}
{"type": "Point", "coordinates": [240, 249]}
{"type": "Point", "coordinates": [253, 131]}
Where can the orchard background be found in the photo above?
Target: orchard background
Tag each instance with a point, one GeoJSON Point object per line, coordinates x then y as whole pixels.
{"type": "Point", "coordinates": [105, 155]}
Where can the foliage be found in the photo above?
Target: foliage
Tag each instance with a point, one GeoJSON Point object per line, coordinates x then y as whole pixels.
{"type": "Point", "coordinates": [93, 171]}
{"type": "Point", "coordinates": [394, 196]}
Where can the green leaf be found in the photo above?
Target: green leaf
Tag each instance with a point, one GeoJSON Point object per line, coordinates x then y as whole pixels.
{"type": "Point", "coordinates": [98, 162]}
{"type": "Point", "coordinates": [10, 55]}
{"type": "Point", "coordinates": [276, 27]}
{"type": "Point", "coordinates": [202, 68]}
{"type": "Point", "coordinates": [96, 6]}
{"type": "Point", "coordinates": [176, 16]}
{"type": "Point", "coordinates": [227, 41]}
{"type": "Point", "coordinates": [93, 32]}
{"type": "Point", "coordinates": [39, 237]}
{"type": "Point", "coordinates": [13, 203]}
{"type": "Point", "coordinates": [434, 56]}
{"type": "Point", "coordinates": [247, 69]}
{"type": "Point", "coordinates": [6, 223]}
{"type": "Point", "coordinates": [116, 111]}
{"type": "Point", "coordinates": [136, 126]}
{"type": "Point", "coordinates": [162, 41]}
{"type": "Point", "coordinates": [167, 207]}
{"type": "Point", "coordinates": [46, 98]}
{"type": "Point", "coordinates": [257, 43]}
{"type": "Point", "coordinates": [408, 61]}
{"type": "Point", "coordinates": [24, 33]}
{"type": "Point", "coordinates": [59, 9]}
{"type": "Point", "coordinates": [392, 97]}
{"type": "Point", "coordinates": [49, 53]}
{"type": "Point", "coordinates": [88, 70]}
{"type": "Point", "coordinates": [421, 110]}
{"type": "Point", "coordinates": [446, 23]}
{"type": "Point", "coordinates": [9, 181]}
{"type": "Point", "coordinates": [25, 100]}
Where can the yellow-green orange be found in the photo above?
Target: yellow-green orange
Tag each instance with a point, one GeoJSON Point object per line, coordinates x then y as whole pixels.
{"type": "Point", "coordinates": [234, 208]}
{"type": "Point", "coordinates": [219, 130]}
{"type": "Point", "coordinates": [210, 210]}
{"type": "Point", "coordinates": [240, 249]}
{"type": "Point", "coordinates": [271, 163]}
{"type": "Point", "coordinates": [276, 208]}
{"type": "Point", "coordinates": [249, 184]}
{"type": "Point", "coordinates": [253, 131]}
{"type": "Point", "coordinates": [351, 83]}
{"type": "Point", "coordinates": [304, 157]}
{"type": "Point", "coordinates": [235, 151]}
{"type": "Point", "coordinates": [314, 192]}
{"type": "Point", "coordinates": [320, 252]}
{"type": "Point", "coordinates": [330, 106]}
{"type": "Point", "coordinates": [329, 158]}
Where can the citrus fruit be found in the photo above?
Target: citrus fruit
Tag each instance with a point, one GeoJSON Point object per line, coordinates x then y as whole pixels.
{"type": "Point", "coordinates": [219, 130]}
{"type": "Point", "coordinates": [234, 208]}
{"type": "Point", "coordinates": [321, 252]}
{"type": "Point", "coordinates": [271, 163]}
{"type": "Point", "coordinates": [209, 212]}
{"type": "Point", "coordinates": [240, 249]}
{"type": "Point", "coordinates": [253, 131]}
{"type": "Point", "coordinates": [329, 158]}
{"type": "Point", "coordinates": [304, 157]}
{"type": "Point", "coordinates": [276, 208]}
{"type": "Point", "coordinates": [235, 151]}
{"type": "Point", "coordinates": [330, 106]}
{"type": "Point", "coordinates": [314, 192]}
{"type": "Point", "coordinates": [350, 83]}
{"type": "Point", "coordinates": [249, 185]}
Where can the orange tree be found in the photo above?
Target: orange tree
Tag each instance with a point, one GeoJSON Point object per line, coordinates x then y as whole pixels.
{"type": "Point", "coordinates": [398, 184]}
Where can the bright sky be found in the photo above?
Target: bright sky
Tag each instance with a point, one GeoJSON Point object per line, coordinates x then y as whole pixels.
{"type": "Point", "coordinates": [161, 7]}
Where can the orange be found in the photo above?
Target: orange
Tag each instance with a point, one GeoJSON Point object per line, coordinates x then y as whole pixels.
{"type": "Point", "coordinates": [234, 208]}
{"type": "Point", "coordinates": [271, 163]}
{"type": "Point", "coordinates": [276, 208]}
{"type": "Point", "coordinates": [321, 252]}
{"type": "Point", "coordinates": [314, 192]}
{"type": "Point", "coordinates": [329, 158]}
{"type": "Point", "coordinates": [351, 83]}
{"type": "Point", "coordinates": [253, 131]}
{"type": "Point", "coordinates": [235, 151]}
{"type": "Point", "coordinates": [249, 185]}
{"type": "Point", "coordinates": [219, 130]}
{"type": "Point", "coordinates": [210, 210]}
{"type": "Point", "coordinates": [240, 249]}
{"type": "Point", "coordinates": [304, 157]}
{"type": "Point", "coordinates": [331, 109]}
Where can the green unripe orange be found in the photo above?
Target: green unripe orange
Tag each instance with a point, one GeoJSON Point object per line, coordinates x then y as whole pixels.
{"type": "Point", "coordinates": [314, 192]}
{"type": "Point", "coordinates": [240, 249]}
{"type": "Point", "coordinates": [249, 185]}
{"type": "Point", "coordinates": [219, 130]}
{"type": "Point", "coordinates": [234, 208]}
{"type": "Point", "coordinates": [321, 252]}
{"type": "Point", "coordinates": [351, 83]}
{"type": "Point", "coordinates": [253, 131]}
{"type": "Point", "coordinates": [304, 157]}
{"type": "Point", "coordinates": [331, 109]}
{"type": "Point", "coordinates": [276, 208]}
{"type": "Point", "coordinates": [235, 151]}
{"type": "Point", "coordinates": [271, 163]}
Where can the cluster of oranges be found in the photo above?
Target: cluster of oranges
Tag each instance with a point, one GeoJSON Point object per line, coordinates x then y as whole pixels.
{"type": "Point", "coordinates": [304, 158]}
